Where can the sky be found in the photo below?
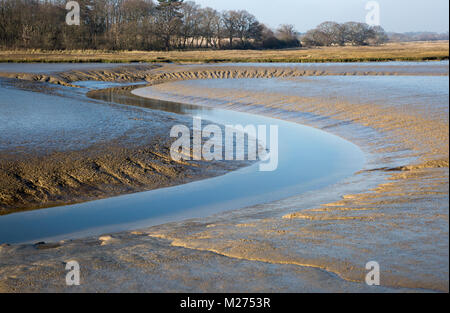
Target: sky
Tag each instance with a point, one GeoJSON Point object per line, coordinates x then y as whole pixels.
{"type": "Point", "coordinates": [395, 15]}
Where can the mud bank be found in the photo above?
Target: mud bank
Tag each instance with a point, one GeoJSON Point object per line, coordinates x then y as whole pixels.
{"type": "Point", "coordinates": [395, 211]}
{"type": "Point", "coordinates": [65, 78]}
{"type": "Point", "coordinates": [135, 262]}
{"type": "Point", "coordinates": [106, 170]}
{"type": "Point", "coordinates": [46, 170]}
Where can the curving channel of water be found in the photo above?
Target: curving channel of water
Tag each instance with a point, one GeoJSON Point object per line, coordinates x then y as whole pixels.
{"type": "Point", "coordinates": [309, 159]}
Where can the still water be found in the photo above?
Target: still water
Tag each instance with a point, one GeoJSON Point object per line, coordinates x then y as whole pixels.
{"type": "Point", "coordinates": [44, 122]}
{"type": "Point", "coordinates": [308, 159]}
{"type": "Point", "coordinates": [41, 68]}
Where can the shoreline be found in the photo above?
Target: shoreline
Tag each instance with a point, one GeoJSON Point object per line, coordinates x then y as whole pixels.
{"type": "Point", "coordinates": [402, 51]}
{"type": "Point", "coordinates": [216, 236]}
{"type": "Point", "coordinates": [234, 60]}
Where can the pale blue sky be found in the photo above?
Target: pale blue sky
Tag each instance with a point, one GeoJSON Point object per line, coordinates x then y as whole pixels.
{"type": "Point", "coordinates": [395, 15]}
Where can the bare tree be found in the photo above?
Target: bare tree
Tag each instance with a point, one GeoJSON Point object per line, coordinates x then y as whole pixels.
{"type": "Point", "coordinates": [219, 28]}
{"type": "Point", "coordinates": [357, 33]}
{"type": "Point", "coordinates": [286, 32]}
{"type": "Point", "coordinates": [351, 33]}
{"type": "Point", "coordinates": [332, 33]}
{"type": "Point", "coordinates": [208, 20]}
{"type": "Point", "coordinates": [189, 26]}
{"type": "Point", "coordinates": [245, 22]}
{"type": "Point", "coordinates": [231, 24]}
{"type": "Point", "coordinates": [169, 20]}
{"type": "Point", "coordinates": [130, 24]}
{"type": "Point", "coordinates": [379, 36]}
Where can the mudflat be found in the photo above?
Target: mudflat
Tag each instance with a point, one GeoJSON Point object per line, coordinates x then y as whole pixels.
{"type": "Point", "coordinates": [76, 149]}
{"type": "Point", "coordinates": [394, 211]}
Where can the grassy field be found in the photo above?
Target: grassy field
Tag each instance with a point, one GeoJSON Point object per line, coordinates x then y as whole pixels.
{"type": "Point", "coordinates": [412, 51]}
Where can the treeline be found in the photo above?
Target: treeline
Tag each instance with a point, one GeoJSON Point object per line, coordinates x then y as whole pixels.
{"type": "Point", "coordinates": [166, 25]}
{"type": "Point", "coordinates": [350, 33]}
{"type": "Point", "coordinates": [417, 36]}
{"type": "Point", "coordinates": [134, 25]}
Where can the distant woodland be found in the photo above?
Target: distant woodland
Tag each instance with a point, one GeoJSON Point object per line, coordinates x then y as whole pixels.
{"type": "Point", "coordinates": [160, 25]}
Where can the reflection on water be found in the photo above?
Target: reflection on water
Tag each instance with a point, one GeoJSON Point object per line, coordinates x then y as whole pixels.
{"type": "Point", "coordinates": [113, 96]}
{"type": "Point", "coordinates": [93, 85]}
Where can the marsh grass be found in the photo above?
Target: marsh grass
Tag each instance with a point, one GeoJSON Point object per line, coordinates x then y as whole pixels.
{"type": "Point", "coordinates": [411, 51]}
